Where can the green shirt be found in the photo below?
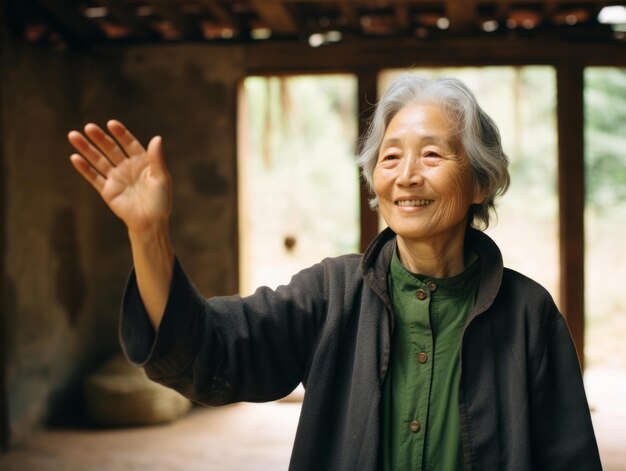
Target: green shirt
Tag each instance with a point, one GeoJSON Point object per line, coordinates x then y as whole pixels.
{"type": "Point", "coordinates": [421, 424]}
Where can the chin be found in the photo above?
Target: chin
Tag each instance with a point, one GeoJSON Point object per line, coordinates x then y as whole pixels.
{"type": "Point", "coordinates": [411, 233]}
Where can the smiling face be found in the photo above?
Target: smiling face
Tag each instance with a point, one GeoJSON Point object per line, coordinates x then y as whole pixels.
{"type": "Point", "coordinates": [424, 184]}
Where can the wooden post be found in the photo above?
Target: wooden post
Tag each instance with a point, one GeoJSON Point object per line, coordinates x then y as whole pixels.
{"type": "Point", "coordinates": [368, 96]}
{"type": "Point", "coordinates": [571, 184]}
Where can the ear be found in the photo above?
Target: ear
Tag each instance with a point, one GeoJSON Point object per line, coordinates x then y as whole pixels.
{"type": "Point", "coordinates": [480, 194]}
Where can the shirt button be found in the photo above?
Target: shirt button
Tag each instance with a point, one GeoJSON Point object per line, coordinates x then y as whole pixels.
{"type": "Point", "coordinates": [422, 357]}
{"type": "Point", "coordinates": [421, 294]}
{"type": "Point", "coordinates": [432, 286]}
{"type": "Point", "coordinates": [414, 426]}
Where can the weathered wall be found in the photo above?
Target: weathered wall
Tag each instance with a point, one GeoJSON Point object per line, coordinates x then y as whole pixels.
{"type": "Point", "coordinates": [187, 94]}
{"type": "Point", "coordinates": [48, 290]}
{"type": "Point", "coordinates": [67, 258]}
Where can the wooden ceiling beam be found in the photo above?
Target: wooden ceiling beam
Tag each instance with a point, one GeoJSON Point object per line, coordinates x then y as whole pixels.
{"type": "Point", "coordinates": [461, 15]}
{"type": "Point", "coordinates": [70, 17]}
{"type": "Point", "coordinates": [169, 10]}
{"type": "Point", "coordinates": [221, 14]}
{"type": "Point", "coordinates": [274, 14]}
{"type": "Point", "coordinates": [550, 8]}
{"type": "Point", "coordinates": [403, 17]}
{"type": "Point", "coordinates": [502, 11]}
{"type": "Point", "coordinates": [123, 12]}
{"type": "Point", "coordinates": [348, 11]}
{"type": "Point", "coordinates": [268, 57]}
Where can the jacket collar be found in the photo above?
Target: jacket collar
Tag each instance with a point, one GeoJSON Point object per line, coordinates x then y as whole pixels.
{"type": "Point", "coordinates": [377, 259]}
{"type": "Point", "coordinates": [491, 269]}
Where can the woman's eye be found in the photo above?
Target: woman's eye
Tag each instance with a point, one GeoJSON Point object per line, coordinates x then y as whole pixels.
{"type": "Point", "coordinates": [390, 157]}
{"type": "Point", "coordinates": [432, 154]}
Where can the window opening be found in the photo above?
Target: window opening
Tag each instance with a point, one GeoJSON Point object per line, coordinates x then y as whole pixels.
{"type": "Point", "coordinates": [298, 176]}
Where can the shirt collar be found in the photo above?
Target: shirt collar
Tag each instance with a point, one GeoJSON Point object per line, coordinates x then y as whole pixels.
{"type": "Point", "coordinates": [459, 285]}
{"type": "Point", "coordinates": [377, 259]}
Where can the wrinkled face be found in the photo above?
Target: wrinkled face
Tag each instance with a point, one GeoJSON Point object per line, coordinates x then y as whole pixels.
{"type": "Point", "coordinates": [424, 184]}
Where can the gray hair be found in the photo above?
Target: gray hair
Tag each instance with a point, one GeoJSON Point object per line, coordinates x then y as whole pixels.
{"type": "Point", "coordinates": [478, 135]}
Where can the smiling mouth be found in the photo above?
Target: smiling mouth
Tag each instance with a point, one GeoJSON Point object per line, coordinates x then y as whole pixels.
{"type": "Point", "coordinates": [413, 203]}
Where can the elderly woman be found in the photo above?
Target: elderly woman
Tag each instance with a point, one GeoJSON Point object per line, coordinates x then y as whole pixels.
{"type": "Point", "coordinates": [423, 353]}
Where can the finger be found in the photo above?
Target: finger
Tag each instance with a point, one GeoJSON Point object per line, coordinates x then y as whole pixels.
{"type": "Point", "coordinates": [105, 143]}
{"type": "Point", "coordinates": [155, 154]}
{"type": "Point", "coordinates": [91, 154]}
{"type": "Point", "coordinates": [88, 172]}
{"type": "Point", "coordinates": [129, 143]}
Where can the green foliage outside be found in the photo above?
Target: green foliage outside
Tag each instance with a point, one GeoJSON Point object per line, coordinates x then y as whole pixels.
{"type": "Point", "coordinates": [605, 137]}
{"type": "Point", "coordinates": [302, 173]}
{"type": "Point", "coordinates": [605, 216]}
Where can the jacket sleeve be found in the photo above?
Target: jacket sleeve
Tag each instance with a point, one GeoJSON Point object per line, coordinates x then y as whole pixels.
{"type": "Point", "coordinates": [227, 349]}
{"type": "Point", "coordinates": [561, 428]}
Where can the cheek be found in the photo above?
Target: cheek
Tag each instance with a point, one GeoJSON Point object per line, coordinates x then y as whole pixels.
{"type": "Point", "coordinates": [463, 184]}
{"type": "Point", "coordinates": [380, 184]}
{"type": "Point", "coordinates": [461, 190]}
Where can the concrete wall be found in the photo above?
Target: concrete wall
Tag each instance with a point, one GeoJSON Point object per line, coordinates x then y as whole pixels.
{"type": "Point", "coordinates": [66, 257]}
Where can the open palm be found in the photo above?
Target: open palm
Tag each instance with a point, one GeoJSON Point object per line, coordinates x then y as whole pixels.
{"type": "Point", "coordinates": [132, 181]}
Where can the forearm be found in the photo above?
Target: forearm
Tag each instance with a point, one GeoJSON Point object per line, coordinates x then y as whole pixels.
{"type": "Point", "coordinates": [153, 258]}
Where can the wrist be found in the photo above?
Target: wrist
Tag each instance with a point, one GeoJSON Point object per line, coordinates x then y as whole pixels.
{"type": "Point", "coordinates": [153, 241]}
{"type": "Point", "coordinates": [153, 260]}
{"type": "Point", "coordinates": [157, 231]}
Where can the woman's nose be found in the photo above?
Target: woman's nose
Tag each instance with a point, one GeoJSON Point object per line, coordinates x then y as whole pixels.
{"type": "Point", "coordinates": [410, 172]}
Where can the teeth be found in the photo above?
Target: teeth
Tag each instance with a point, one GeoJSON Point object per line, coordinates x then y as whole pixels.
{"type": "Point", "coordinates": [413, 202]}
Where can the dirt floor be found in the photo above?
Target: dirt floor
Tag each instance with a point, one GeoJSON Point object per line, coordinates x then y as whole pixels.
{"type": "Point", "coordinates": [250, 437]}
{"type": "Point", "coordinates": [606, 390]}
{"type": "Point", "coordinates": [246, 437]}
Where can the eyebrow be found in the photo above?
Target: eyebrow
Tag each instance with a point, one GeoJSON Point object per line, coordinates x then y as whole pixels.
{"type": "Point", "coordinates": [394, 141]}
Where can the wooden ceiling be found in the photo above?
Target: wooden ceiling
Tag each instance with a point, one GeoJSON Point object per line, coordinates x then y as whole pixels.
{"type": "Point", "coordinates": [319, 22]}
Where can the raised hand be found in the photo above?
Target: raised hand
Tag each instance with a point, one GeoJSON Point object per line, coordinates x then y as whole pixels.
{"type": "Point", "coordinates": [133, 181]}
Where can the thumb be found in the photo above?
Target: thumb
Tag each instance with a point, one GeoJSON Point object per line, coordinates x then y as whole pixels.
{"type": "Point", "coordinates": [155, 153]}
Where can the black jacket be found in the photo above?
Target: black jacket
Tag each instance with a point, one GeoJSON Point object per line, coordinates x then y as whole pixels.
{"type": "Point", "coordinates": [522, 402]}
